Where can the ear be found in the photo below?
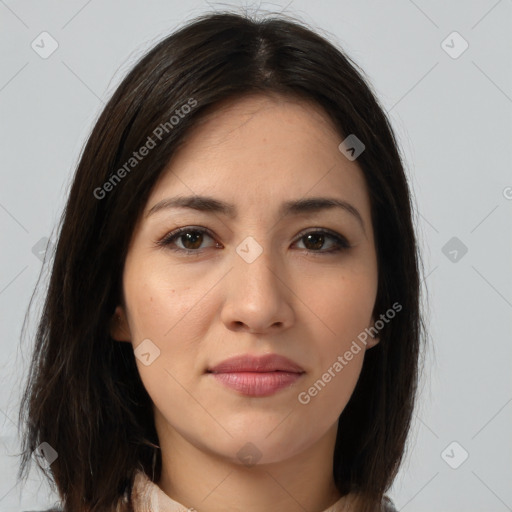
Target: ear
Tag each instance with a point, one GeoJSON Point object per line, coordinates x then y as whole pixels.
{"type": "Point", "coordinates": [119, 329]}
{"type": "Point", "coordinates": [373, 339]}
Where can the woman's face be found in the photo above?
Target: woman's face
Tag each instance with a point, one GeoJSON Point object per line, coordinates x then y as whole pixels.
{"type": "Point", "coordinates": [250, 279]}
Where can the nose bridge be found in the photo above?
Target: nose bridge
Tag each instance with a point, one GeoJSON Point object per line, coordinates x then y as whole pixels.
{"type": "Point", "coordinates": [256, 295]}
{"type": "Point", "coordinates": [255, 264]}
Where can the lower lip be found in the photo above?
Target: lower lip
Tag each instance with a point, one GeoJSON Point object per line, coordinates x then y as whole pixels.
{"type": "Point", "coordinates": [257, 383]}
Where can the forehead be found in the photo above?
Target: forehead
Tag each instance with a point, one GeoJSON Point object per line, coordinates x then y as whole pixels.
{"type": "Point", "coordinates": [260, 115]}
{"type": "Point", "coordinates": [263, 150]}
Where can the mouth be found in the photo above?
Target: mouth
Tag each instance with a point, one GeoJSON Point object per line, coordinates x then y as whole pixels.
{"type": "Point", "coordinates": [248, 363]}
{"type": "Point", "coordinates": [257, 376]}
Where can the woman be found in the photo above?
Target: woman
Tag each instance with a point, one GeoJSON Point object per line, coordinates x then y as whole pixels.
{"type": "Point", "coordinates": [232, 320]}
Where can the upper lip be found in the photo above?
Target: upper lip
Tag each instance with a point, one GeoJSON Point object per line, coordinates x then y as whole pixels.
{"type": "Point", "coordinates": [248, 363]}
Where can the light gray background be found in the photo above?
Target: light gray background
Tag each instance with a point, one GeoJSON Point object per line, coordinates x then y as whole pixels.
{"type": "Point", "coordinates": [453, 117]}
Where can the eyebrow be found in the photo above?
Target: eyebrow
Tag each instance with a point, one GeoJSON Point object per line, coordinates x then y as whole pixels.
{"type": "Point", "coordinates": [288, 208]}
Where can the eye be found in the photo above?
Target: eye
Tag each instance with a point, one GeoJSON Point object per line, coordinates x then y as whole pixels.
{"type": "Point", "coordinates": [315, 239]}
{"type": "Point", "coordinates": [191, 239]}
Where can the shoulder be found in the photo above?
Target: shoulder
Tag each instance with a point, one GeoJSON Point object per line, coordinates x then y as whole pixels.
{"type": "Point", "coordinates": [388, 505]}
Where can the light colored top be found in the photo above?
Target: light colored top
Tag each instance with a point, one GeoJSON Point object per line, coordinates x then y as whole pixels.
{"type": "Point", "coordinates": [149, 497]}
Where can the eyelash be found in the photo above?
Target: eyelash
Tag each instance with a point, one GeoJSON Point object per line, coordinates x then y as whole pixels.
{"type": "Point", "coordinates": [168, 239]}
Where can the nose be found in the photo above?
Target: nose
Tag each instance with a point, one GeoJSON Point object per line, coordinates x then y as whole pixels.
{"type": "Point", "coordinates": [258, 296]}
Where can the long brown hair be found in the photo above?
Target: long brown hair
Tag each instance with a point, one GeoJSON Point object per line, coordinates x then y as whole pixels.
{"type": "Point", "coordinates": [84, 396]}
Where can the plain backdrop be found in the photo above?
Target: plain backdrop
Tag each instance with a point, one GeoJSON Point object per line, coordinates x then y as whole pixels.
{"type": "Point", "coordinates": [442, 70]}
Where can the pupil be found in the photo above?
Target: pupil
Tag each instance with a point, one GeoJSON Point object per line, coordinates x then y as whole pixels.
{"type": "Point", "coordinates": [317, 236]}
{"type": "Point", "coordinates": [188, 237]}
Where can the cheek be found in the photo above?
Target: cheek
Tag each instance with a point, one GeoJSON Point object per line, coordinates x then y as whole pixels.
{"type": "Point", "coordinates": [342, 307]}
{"type": "Point", "coordinates": [342, 311]}
{"type": "Point", "coordinates": [164, 309]}
{"type": "Point", "coordinates": [159, 302]}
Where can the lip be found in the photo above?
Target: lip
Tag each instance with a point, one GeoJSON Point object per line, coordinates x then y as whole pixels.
{"type": "Point", "coordinates": [248, 363]}
{"type": "Point", "coordinates": [257, 376]}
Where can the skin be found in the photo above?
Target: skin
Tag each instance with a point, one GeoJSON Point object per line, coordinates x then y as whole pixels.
{"type": "Point", "coordinates": [203, 308]}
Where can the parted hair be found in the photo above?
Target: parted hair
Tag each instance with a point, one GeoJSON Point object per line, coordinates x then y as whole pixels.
{"type": "Point", "coordinates": [83, 394]}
